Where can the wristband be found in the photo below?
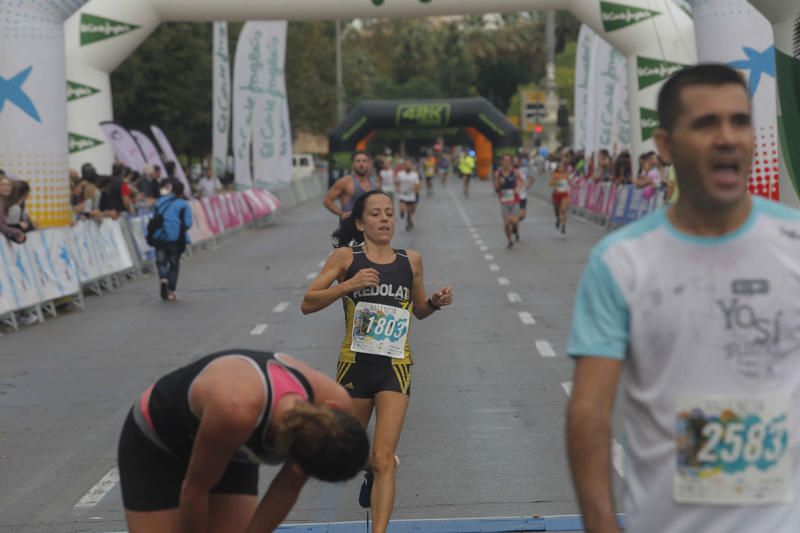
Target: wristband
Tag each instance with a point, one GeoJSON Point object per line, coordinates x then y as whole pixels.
{"type": "Point", "coordinates": [432, 305]}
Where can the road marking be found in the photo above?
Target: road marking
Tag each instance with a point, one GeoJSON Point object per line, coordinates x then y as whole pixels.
{"type": "Point", "coordinates": [514, 298]}
{"type": "Point", "coordinates": [488, 257]}
{"type": "Point", "coordinates": [478, 242]}
{"type": "Point", "coordinates": [322, 263]}
{"type": "Point", "coordinates": [526, 318]}
{"type": "Point", "coordinates": [281, 307]}
{"type": "Point", "coordinates": [617, 451]}
{"type": "Point", "coordinates": [312, 275]}
{"type": "Point", "coordinates": [503, 281]}
{"type": "Point", "coordinates": [494, 268]}
{"type": "Point", "coordinates": [545, 350]}
{"type": "Point", "coordinates": [484, 248]}
{"type": "Point", "coordinates": [98, 492]}
{"type": "Point", "coordinates": [259, 329]}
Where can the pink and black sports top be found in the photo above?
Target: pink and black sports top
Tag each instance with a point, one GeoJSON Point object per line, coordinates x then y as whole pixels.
{"type": "Point", "coordinates": [165, 417]}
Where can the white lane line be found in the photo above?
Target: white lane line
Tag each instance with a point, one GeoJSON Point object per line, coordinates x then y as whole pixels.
{"type": "Point", "coordinates": [484, 248]}
{"type": "Point", "coordinates": [488, 257]}
{"type": "Point", "coordinates": [322, 263]}
{"type": "Point", "coordinates": [526, 318]}
{"type": "Point", "coordinates": [494, 268]}
{"type": "Point", "coordinates": [100, 489]}
{"type": "Point", "coordinates": [503, 281]}
{"type": "Point", "coordinates": [545, 350]}
{"type": "Point", "coordinates": [514, 298]}
{"type": "Point", "coordinates": [312, 275]}
{"type": "Point", "coordinates": [479, 242]}
{"type": "Point", "coordinates": [617, 451]}
{"type": "Point", "coordinates": [281, 307]}
{"type": "Point", "coordinates": [259, 329]}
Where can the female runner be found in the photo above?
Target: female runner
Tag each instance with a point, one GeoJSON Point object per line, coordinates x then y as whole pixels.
{"type": "Point", "coordinates": [380, 288]}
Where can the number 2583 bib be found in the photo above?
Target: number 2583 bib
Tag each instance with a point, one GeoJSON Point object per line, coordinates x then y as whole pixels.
{"type": "Point", "coordinates": [732, 450]}
{"type": "Point", "coordinates": [380, 329]}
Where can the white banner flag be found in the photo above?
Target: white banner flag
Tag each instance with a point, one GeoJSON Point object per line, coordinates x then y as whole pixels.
{"type": "Point", "coordinates": [272, 133]}
{"type": "Point", "coordinates": [248, 76]}
{"type": "Point", "coordinates": [148, 148]}
{"type": "Point", "coordinates": [221, 120]}
{"type": "Point", "coordinates": [124, 146]}
{"type": "Point", "coordinates": [169, 155]}
{"type": "Point", "coordinates": [583, 62]}
{"type": "Point", "coordinates": [622, 113]}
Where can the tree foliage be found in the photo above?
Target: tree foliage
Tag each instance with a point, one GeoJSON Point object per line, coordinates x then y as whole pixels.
{"type": "Point", "coordinates": [167, 81]}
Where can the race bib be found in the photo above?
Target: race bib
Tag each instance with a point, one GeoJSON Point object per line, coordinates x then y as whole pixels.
{"type": "Point", "coordinates": [507, 196]}
{"type": "Point", "coordinates": [380, 329]}
{"type": "Point", "coordinates": [732, 450]}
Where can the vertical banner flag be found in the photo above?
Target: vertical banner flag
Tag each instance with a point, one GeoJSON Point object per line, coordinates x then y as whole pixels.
{"type": "Point", "coordinates": [734, 33]}
{"type": "Point", "coordinates": [612, 73]}
{"type": "Point", "coordinates": [221, 120]}
{"type": "Point", "coordinates": [583, 61]}
{"type": "Point", "coordinates": [601, 54]}
{"type": "Point", "coordinates": [169, 155]}
{"type": "Point", "coordinates": [272, 134]}
{"type": "Point", "coordinates": [148, 148]}
{"type": "Point", "coordinates": [622, 118]}
{"type": "Point", "coordinates": [124, 145]}
{"type": "Point", "coordinates": [247, 80]}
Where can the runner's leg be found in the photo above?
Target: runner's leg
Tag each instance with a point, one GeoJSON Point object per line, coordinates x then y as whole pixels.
{"type": "Point", "coordinates": [390, 412]}
{"type": "Point", "coordinates": [230, 512]}
{"type": "Point", "coordinates": [166, 521]}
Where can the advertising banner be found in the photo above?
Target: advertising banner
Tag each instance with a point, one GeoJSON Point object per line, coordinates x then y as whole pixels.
{"type": "Point", "coordinates": [124, 145]}
{"type": "Point", "coordinates": [213, 216]}
{"type": "Point", "coordinates": [233, 212]}
{"type": "Point", "coordinates": [243, 208]}
{"type": "Point", "coordinates": [148, 149]}
{"type": "Point", "coordinates": [83, 249]}
{"type": "Point", "coordinates": [257, 204]}
{"type": "Point", "coordinates": [583, 62]}
{"type": "Point", "coordinates": [221, 108]}
{"type": "Point", "coordinates": [139, 232]}
{"type": "Point", "coordinates": [200, 230]}
{"type": "Point", "coordinates": [248, 67]}
{"type": "Point", "coordinates": [19, 275]}
{"type": "Point", "coordinates": [272, 133]}
{"type": "Point", "coordinates": [169, 155]}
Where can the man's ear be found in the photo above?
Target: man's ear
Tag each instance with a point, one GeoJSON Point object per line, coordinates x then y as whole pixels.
{"type": "Point", "coordinates": [663, 144]}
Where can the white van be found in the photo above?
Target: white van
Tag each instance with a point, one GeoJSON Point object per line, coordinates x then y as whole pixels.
{"type": "Point", "coordinates": [302, 166]}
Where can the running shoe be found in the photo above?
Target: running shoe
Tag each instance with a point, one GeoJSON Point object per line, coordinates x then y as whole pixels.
{"type": "Point", "coordinates": [164, 291]}
{"type": "Point", "coordinates": [365, 495]}
{"type": "Point", "coordinates": [510, 245]}
{"type": "Point", "coordinates": [172, 296]}
{"type": "Point", "coordinates": [516, 236]}
{"type": "Point", "coordinates": [564, 229]}
{"type": "Point", "coordinates": [558, 222]}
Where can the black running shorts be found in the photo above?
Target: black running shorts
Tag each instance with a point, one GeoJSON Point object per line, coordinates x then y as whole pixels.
{"type": "Point", "coordinates": [150, 478]}
{"type": "Point", "coordinates": [370, 375]}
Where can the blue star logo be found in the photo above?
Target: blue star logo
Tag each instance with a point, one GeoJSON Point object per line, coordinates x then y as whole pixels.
{"type": "Point", "coordinates": [757, 63]}
{"type": "Point", "coordinates": [11, 89]}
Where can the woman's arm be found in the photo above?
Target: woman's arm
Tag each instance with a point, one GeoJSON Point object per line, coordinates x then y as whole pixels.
{"type": "Point", "coordinates": [320, 294]}
{"type": "Point", "coordinates": [279, 499]}
{"type": "Point", "coordinates": [422, 305]}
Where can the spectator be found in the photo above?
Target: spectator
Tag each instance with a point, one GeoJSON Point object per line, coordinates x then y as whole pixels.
{"type": "Point", "coordinates": [622, 168]}
{"type": "Point", "coordinates": [149, 185]}
{"type": "Point", "coordinates": [17, 216]}
{"type": "Point", "coordinates": [6, 186]}
{"type": "Point", "coordinates": [603, 171]}
{"type": "Point", "coordinates": [171, 238]}
{"type": "Point", "coordinates": [88, 173]}
{"type": "Point", "coordinates": [111, 203]}
{"type": "Point", "coordinates": [650, 180]}
{"type": "Point", "coordinates": [209, 185]}
{"type": "Point", "coordinates": [88, 204]}
{"type": "Point", "coordinates": [169, 168]}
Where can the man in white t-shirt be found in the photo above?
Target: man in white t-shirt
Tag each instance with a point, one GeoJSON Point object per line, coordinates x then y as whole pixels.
{"type": "Point", "coordinates": [695, 312]}
{"type": "Point", "coordinates": [386, 176]}
{"type": "Point", "coordinates": [407, 185]}
{"type": "Point", "coordinates": [209, 185]}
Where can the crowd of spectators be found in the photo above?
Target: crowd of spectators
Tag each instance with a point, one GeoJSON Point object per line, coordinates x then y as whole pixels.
{"type": "Point", "coordinates": [652, 174]}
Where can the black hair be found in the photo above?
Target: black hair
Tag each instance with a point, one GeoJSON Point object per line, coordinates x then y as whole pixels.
{"type": "Point", "coordinates": [359, 152]}
{"type": "Point", "coordinates": [669, 97]}
{"type": "Point", "coordinates": [177, 187]}
{"type": "Point", "coordinates": [347, 231]}
{"type": "Point", "coordinates": [117, 169]}
{"type": "Point", "coordinates": [327, 444]}
{"type": "Point", "coordinates": [169, 168]}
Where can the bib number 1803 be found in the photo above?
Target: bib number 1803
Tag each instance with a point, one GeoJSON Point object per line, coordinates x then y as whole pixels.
{"type": "Point", "coordinates": [384, 326]}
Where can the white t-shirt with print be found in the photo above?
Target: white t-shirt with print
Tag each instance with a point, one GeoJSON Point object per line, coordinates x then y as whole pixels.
{"type": "Point", "coordinates": [387, 180]}
{"type": "Point", "coordinates": [709, 331]}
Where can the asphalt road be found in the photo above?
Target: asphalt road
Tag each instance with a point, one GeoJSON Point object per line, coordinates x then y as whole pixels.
{"type": "Point", "coordinates": [485, 432]}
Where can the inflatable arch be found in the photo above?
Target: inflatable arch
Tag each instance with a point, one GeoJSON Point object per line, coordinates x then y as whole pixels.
{"type": "Point", "coordinates": [656, 36]}
{"type": "Point", "coordinates": [490, 130]}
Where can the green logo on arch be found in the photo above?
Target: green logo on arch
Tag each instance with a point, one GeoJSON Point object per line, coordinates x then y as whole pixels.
{"type": "Point", "coordinates": [76, 91]}
{"type": "Point", "coordinates": [78, 143]}
{"type": "Point", "coordinates": [94, 28]}
{"type": "Point", "coordinates": [652, 71]}
{"type": "Point", "coordinates": [422, 115]}
{"type": "Point", "coordinates": [618, 16]}
{"type": "Point", "coordinates": [648, 119]}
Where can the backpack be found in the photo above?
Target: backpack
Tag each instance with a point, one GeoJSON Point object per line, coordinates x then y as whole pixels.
{"type": "Point", "coordinates": [156, 223]}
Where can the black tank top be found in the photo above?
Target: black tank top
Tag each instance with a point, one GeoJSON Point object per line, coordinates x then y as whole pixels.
{"type": "Point", "coordinates": [508, 181]}
{"type": "Point", "coordinates": [396, 282]}
{"type": "Point", "coordinates": [174, 426]}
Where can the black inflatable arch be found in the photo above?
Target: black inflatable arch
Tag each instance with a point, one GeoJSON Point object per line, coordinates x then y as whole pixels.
{"type": "Point", "coordinates": [372, 115]}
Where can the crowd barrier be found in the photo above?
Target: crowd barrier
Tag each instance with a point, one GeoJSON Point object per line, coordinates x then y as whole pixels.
{"type": "Point", "coordinates": [607, 204]}
{"type": "Point", "coordinates": [59, 264]}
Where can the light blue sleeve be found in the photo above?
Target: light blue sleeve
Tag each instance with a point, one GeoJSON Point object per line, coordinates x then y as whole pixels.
{"type": "Point", "coordinates": [600, 322]}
